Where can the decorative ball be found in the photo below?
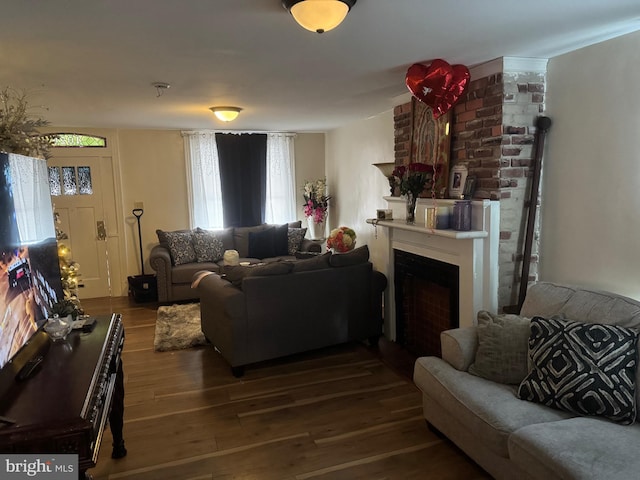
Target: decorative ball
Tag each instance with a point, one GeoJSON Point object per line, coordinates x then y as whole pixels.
{"type": "Point", "coordinates": [231, 257]}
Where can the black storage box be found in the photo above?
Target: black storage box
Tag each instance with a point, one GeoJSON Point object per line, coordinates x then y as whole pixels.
{"type": "Point", "coordinates": [143, 288]}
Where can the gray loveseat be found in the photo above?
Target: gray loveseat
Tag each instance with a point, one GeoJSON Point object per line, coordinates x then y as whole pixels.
{"type": "Point", "coordinates": [518, 439]}
{"type": "Point", "coordinates": [182, 253]}
{"type": "Point", "coordinates": [283, 308]}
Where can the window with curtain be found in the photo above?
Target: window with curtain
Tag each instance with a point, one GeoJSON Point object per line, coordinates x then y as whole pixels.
{"type": "Point", "coordinates": [204, 179]}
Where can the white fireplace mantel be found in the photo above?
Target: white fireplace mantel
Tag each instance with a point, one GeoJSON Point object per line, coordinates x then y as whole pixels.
{"type": "Point", "coordinates": [474, 252]}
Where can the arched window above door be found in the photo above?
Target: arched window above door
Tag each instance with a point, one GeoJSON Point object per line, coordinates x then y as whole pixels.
{"type": "Point", "coordinates": [77, 140]}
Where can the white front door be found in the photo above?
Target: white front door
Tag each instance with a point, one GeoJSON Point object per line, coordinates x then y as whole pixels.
{"type": "Point", "coordinates": [79, 204]}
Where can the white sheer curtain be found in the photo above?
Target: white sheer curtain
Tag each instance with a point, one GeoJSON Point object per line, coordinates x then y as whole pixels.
{"type": "Point", "coordinates": [30, 190]}
{"type": "Point", "coordinates": [203, 180]}
{"type": "Point", "coordinates": [281, 192]}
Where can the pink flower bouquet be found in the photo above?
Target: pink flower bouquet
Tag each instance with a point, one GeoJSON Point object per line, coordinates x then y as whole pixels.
{"type": "Point", "coordinates": [316, 200]}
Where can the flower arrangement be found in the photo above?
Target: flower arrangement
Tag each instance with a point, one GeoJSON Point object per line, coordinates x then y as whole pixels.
{"type": "Point", "coordinates": [413, 178]}
{"type": "Point", "coordinates": [316, 200]}
{"type": "Point", "coordinates": [342, 239]}
{"type": "Point", "coordinates": [18, 130]}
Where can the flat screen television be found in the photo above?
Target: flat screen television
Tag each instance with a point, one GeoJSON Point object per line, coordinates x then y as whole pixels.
{"type": "Point", "coordinates": [30, 281]}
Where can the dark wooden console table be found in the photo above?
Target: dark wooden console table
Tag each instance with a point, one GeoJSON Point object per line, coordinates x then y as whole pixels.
{"type": "Point", "coordinates": [65, 406]}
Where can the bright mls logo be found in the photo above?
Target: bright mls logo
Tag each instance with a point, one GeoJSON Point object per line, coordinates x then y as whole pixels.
{"type": "Point", "coordinates": [51, 467]}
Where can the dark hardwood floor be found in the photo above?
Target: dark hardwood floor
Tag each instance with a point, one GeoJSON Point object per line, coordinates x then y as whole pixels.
{"type": "Point", "coordinates": [345, 412]}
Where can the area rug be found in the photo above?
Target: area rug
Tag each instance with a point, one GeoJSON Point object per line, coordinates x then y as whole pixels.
{"type": "Point", "coordinates": [178, 327]}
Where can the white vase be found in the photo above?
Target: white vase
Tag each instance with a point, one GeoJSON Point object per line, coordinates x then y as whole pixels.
{"type": "Point", "coordinates": [316, 230]}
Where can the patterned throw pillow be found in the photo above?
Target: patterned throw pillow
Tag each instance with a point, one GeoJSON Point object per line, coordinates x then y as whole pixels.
{"type": "Point", "coordinates": [208, 247]}
{"type": "Point", "coordinates": [584, 368]}
{"type": "Point", "coordinates": [294, 239]}
{"type": "Point", "coordinates": [503, 343]}
{"type": "Point", "coordinates": [180, 246]}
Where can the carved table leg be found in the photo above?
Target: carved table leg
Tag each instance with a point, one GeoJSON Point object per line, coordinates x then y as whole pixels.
{"type": "Point", "coordinates": [116, 416]}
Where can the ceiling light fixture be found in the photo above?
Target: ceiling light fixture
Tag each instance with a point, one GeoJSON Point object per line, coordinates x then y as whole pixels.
{"type": "Point", "coordinates": [319, 15]}
{"type": "Point", "coordinates": [226, 114]}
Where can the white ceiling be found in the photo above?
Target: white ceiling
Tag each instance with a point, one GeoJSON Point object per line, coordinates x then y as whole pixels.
{"type": "Point", "coordinates": [93, 62]}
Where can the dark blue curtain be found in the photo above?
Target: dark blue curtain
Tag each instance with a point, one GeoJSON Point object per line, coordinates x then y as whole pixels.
{"type": "Point", "coordinates": [243, 177]}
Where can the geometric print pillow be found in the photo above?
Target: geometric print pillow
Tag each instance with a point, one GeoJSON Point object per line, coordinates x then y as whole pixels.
{"type": "Point", "coordinates": [208, 247]}
{"type": "Point", "coordinates": [584, 368]}
{"type": "Point", "coordinates": [294, 239]}
{"type": "Point", "coordinates": [180, 247]}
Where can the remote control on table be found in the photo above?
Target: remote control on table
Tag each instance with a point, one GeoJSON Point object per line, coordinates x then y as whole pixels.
{"type": "Point", "coordinates": [30, 368]}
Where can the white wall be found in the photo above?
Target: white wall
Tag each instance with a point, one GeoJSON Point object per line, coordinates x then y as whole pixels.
{"type": "Point", "coordinates": [357, 187]}
{"type": "Point", "coordinates": [591, 178]}
{"type": "Point", "coordinates": [309, 148]}
{"type": "Point", "coordinates": [152, 172]}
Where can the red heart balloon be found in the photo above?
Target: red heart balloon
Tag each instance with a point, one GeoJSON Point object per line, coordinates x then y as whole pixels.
{"type": "Point", "coordinates": [439, 85]}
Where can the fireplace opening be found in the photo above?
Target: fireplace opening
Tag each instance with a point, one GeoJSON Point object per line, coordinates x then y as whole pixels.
{"type": "Point", "coordinates": [426, 292]}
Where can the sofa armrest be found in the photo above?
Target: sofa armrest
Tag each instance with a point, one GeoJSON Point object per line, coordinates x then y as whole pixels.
{"type": "Point", "coordinates": [219, 295]}
{"type": "Point", "coordinates": [459, 347]}
{"type": "Point", "coordinates": [160, 261]}
{"type": "Point", "coordinates": [310, 246]}
{"type": "Point", "coordinates": [223, 317]}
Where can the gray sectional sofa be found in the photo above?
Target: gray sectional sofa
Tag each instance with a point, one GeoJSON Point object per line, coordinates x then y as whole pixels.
{"type": "Point", "coordinates": [512, 438]}
{"type": "Point", "coordinates": [267, 311]}
{"type": "Point", "coordinates": [182, 253]}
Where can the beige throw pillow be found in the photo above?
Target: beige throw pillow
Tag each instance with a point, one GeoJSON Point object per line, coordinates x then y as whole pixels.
{"type": "Point", "coordinates": [503, 342]}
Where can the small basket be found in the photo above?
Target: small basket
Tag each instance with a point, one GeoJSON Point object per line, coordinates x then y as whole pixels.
{"type": "Point", "coordinates": [143, 288]}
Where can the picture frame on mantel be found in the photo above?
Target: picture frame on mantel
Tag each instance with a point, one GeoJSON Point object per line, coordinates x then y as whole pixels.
{"type": "Point", "coordinates": [431, 142]}
{"type": "Point", "coordinates": [469, 187]}
{"type": "Point", "coordinates": [458, 181]}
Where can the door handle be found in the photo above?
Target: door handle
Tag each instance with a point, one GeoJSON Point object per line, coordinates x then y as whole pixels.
{"type": "Point", "coordinates": [102, 232]}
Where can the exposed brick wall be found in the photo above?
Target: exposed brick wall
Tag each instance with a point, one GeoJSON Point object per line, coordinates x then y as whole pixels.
{"type": "Point", "coordinates": [493, 135]}
{"type": "Point", "coordinates": [523, 103]}
{"type": "Point", "coordinates": [402, 131]}
{"type": "Point", "coordinates": [477, 134]}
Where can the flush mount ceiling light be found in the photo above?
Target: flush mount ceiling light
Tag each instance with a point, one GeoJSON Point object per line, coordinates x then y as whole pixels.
{"type": "Point", "coordinates": [319, 15]}
{"type": "Point", "coordinates": [226, 114]}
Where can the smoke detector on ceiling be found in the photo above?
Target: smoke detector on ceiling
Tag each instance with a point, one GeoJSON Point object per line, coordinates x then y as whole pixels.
{"type": "Point", "coordinates": [160, 88]}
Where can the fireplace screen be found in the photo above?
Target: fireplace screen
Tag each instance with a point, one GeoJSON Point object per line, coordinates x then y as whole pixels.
{"type": "Point", "coordinates": [426, 292]}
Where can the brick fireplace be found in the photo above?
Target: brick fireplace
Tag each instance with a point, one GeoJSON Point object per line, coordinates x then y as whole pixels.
{"type": "Point", "coordinates": [493, 129]}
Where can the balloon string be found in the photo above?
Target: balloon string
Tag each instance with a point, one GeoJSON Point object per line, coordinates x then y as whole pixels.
{"type": "Point", "coordinates": [433, 195]}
